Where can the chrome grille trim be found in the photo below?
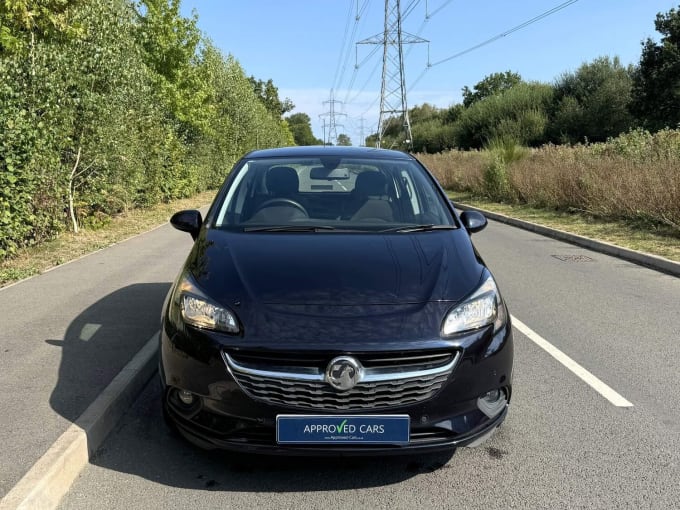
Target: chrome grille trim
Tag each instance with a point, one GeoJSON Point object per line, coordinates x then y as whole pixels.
{"type": "Point", "coordinates": [314, 374]}
{"type": "Point", "coordinates": [305, 387]}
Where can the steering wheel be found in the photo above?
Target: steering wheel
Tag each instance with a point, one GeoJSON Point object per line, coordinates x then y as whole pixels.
{"type": "Point", "coordinates": [285, 202]}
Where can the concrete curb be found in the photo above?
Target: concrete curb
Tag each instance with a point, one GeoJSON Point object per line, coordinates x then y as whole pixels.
{"type": "Point", "coordinates": [644, 259]}
{"type": "Point", "coordinates": [51, 477]}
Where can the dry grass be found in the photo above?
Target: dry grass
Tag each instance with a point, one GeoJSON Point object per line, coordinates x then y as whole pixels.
{"type": "Point", "coordinates": [625, 191]}
{"type": "Point", "coordinates": [605, 186]}
{"type": "Point", "coordinates": [634, 178]}
{"type": "Point", "coordinates": [457, 170]}
{"type": "Point", "coordinates": [657, 240]}
{"type": "Point", "coordinates": [68, 246]}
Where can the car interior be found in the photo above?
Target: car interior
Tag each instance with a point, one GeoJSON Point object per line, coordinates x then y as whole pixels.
{"type": "Point", "coordinates": [353, 194]}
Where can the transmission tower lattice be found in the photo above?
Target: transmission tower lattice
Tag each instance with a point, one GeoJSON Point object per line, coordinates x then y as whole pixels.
{"type": "Point", "coordinates": [393, 104]}
{"type": "Point", "coordinates": [332, 138]}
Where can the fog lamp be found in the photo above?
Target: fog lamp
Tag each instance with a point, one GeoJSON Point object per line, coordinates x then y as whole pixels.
{"type": "Point", "coordinates": [492, 403]}
{"type": "Point", "coordinates": [186, 397]}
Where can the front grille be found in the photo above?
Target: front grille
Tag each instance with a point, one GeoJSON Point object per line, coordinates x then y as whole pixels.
{"type": "Point", "coordinates": [389, 379]}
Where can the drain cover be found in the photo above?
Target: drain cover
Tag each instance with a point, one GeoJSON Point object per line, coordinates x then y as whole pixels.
{"type": "Point", "coordinates": [573, 258]}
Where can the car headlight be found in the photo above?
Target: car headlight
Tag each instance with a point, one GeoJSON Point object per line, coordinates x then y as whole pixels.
{"type": "Point", "coordinates": [199, 311]}
{"type": "Point", "coordinates": [481, 308]}
{"type": "Point", "coordinates": [203, 314]}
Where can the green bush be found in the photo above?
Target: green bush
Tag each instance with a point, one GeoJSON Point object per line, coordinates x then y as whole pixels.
{"type": "Point", "coordinates": [519, 113]}
{"type": "Point", "coordinates": [115, 105]}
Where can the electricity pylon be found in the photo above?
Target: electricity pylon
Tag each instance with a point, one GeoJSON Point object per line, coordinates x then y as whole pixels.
{"type": "Point", "coordinates": [393, 104]}
{"type": "Point", "coordinates": [333, 125]}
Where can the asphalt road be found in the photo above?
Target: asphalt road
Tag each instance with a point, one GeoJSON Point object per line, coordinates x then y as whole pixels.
{"type": "Point", "coordinates": [65, 334]}
{"type": "Point", "coordinates": [562, 446]}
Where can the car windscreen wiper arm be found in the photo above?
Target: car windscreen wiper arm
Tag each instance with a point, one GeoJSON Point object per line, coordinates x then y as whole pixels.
{"type": "Point", "coordinates": [420, 228]}
{"type": "Point", "coordinates": [290, 228]}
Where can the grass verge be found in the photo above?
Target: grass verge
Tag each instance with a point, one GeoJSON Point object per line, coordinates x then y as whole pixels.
{"type": "Point", "coordinates": [636, 236]}
{"type": "Point", "coordinates": [69, 246]}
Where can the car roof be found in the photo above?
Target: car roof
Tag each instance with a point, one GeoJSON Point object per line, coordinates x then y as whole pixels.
{"type": "Point", "coordinates": [321, 150]}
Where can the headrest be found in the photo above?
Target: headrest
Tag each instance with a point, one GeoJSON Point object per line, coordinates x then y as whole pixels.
{"type": "Point", "coordinates": [370, 184]}
{"type": "Point", "coordinates": [282, 180]}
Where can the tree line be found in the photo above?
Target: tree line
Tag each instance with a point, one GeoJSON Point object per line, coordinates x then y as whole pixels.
{"type": "Point", "coordinates": [598, 101]}
{"type": "Point", "coordinates": [107, 106]}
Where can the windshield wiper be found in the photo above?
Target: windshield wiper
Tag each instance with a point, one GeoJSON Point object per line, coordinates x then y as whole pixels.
{"type": "Point", "coordinates": [290, 228]}
{"type": "Point", "coordinates": [420, 228]}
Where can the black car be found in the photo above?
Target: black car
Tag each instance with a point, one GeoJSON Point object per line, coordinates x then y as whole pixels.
{"type": "Point", "coordinates": [333, 303]}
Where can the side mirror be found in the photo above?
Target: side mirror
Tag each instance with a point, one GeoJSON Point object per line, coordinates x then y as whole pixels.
{"type": "Point", "coordinates": [473, 221]}
{"type": "Point", "coordinates": [189, 220]}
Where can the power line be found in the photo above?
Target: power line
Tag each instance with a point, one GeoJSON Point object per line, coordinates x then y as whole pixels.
{"type": "Point", "coordinates": [508, 32]}
{"type": "Point", "coordinates": [428, 15]}
{"type": "Point", "coordinates": [514, 29]}
{"type": "Point", "coordinates": [354, 76]}
{"type": "Point", "coordinates": [420, 77]}
{"type": "Point", "coordinates": [409, 9]}
{"type": "Point", "coordinates": [359, 14]}
{"type": "Point", "coordinates": [368, 80]}
{"type": "Point", "coordinates": [377, 98]}
{"type": "Point", "coordinates": [345, 52]}
{"type": "Point", "coordinates": [342, 46]}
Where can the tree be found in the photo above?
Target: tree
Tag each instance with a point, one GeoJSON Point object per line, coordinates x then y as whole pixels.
{"type": "Point", "coordinates": [518, 115]}
{"type": "Point", "coordinates": [113, 123]}
{"type": "Point", "coordinates": [489, 86]}
{"type": "Point", "coordinates": [170, 43]}
{"type": "Point", "coordinates": [592, 103]}
{"type": "Point", "coordinates": [107, 106]}
{"type": "Point", "coordinates": [424, 113]}
{"type": "Point", "coordinates": [268, 93]}
{"type": "Point", "coordinates": [656, 82]}
{"type": "Point", "coordinates": [22, 21]}
{"type": "Point", "coordinates": [301, 126]}
{"type": "Point", "coordinates": [343, 139]}
{"type": "Point", "coordinates": [427, 128]}
{"type": "Point", "coordinates": [453, 113]}
{"type": "Point", "coordinates": [432, 136]}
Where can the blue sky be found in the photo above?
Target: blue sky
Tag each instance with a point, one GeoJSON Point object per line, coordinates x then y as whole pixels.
{"type": "Point", "coordinates": [307, 47]}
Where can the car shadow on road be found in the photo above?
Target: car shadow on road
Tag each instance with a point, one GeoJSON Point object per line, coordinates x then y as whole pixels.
{"type": "Point", "coordinates": [98, 344]}
{"type": "Point", "coordinates": [101, 341]}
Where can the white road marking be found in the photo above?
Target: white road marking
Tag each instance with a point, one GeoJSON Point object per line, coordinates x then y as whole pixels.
{"type": "Point", "coordinates": [88, 331]}
{"type": "Point", "coordinates": [592, 381]}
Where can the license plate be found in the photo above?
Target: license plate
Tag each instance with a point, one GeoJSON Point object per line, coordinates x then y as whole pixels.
{"type": "Point", "coordinates": [326, 429]}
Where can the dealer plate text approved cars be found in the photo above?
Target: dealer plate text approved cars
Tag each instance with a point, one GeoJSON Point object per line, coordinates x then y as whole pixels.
{"type": "Point", "coordinates": [333, 303]}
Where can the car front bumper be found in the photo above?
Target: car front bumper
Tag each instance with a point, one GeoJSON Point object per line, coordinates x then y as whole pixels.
{"type": "Point", "coordinates": [224, 416]}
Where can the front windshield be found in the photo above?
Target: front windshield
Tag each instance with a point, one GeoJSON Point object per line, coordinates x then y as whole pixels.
{"type": "Point", "coordinates": [331, 193]}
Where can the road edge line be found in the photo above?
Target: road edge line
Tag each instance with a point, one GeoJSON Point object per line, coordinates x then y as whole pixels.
{"type": "Point", "coordinates": [655, 262]}
{"type": "Point", "coordinates": [50, 478]}
{"type": "Point", "coordinates": [578, 370]}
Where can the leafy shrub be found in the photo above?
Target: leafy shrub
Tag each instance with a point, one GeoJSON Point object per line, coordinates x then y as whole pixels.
{"type": "Point", "coordinates": [108, 106]}
{"type": "Point", "coordinates": [519, 113]}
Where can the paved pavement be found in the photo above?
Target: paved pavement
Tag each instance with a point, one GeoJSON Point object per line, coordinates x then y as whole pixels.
{"type": "Point", "coordinates": [562, 446]}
